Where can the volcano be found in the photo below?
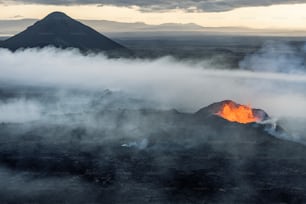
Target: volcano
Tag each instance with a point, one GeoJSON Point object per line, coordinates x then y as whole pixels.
{"type": "Point", "coordinates": [59, 30]}
{"type": "Point", "coordinates": [234, 112]}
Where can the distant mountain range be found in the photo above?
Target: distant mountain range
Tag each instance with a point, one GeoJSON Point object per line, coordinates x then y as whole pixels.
{"type": "Point", "coordinates": [59, 30]}
{"type": "Point", "coordinates": [12, 27]}
{"type": "Point", "coordinates": [111, 26]}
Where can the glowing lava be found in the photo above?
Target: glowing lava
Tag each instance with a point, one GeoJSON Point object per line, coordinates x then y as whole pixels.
{"type": "Point", "coordinates": [237, 113]}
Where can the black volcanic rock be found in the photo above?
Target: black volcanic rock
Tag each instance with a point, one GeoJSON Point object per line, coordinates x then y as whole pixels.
{"type": "Point", "coordinates": [59, 30]}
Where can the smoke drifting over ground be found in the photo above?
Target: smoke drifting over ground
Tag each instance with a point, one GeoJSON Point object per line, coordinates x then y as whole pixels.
{"type": "Point", "coordinates": [90, 129]}
{"type": "Point", "coordinates": [277, 57]}
{"type": "Point", "coordinates": [171, 84]}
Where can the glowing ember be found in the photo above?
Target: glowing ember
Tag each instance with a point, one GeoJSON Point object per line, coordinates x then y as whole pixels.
{"type": "Point", "coordinates": [237, 113]}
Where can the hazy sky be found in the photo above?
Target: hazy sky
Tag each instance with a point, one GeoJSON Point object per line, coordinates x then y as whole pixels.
{"type": "Point", "coordinates": [213, 13]}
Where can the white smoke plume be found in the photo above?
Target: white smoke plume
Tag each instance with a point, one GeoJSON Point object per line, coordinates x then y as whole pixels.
{"type": "Point", "coordinates": [276, 57]}
{"type": "Point", "coordinates": [171, 84]}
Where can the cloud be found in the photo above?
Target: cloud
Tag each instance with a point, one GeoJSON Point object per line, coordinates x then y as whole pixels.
{"type": "Point", "coordinates": [160, 5]}
{"type": "Point", "coordinates": [17, 16]}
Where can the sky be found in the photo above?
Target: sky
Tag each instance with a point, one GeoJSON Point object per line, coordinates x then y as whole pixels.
{"type": "Point", "coordinates": [263, 14]}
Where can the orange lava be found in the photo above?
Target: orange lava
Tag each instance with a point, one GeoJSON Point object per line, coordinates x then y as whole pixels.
{"type": "Point", "coordinates": [237, 113]}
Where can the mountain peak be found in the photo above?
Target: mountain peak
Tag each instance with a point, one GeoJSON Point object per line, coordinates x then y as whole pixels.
{"type": "Point", "coordinates": [59, 30]}
{"type": "Point", "coordinates": [57, 15]}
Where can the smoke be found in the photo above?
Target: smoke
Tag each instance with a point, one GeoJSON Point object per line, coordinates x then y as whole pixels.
{"type": "Point", "coordinates": [19, 111]}
{"type": "Point", "coordinates": [276, 57]}
{"type": "Point", "coordinates": [91, 126]}
{"type": "Point", "coordinates": [168, 83]}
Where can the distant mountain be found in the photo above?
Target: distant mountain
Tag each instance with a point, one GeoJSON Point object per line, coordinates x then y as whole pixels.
{"type": "Point", "coordinates": [59, 30]}
{"type": "Point", "coordinates": [112, 26]}
{"type": "Point", "coordinates": [10, 27]}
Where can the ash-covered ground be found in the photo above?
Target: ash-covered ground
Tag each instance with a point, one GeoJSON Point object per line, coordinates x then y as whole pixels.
{"type": "Point", "coordinates": [103, 152]}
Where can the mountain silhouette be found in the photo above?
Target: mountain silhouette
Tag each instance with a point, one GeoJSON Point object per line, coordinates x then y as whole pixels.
{"type": "Point", "coordinates": [59, 30]}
